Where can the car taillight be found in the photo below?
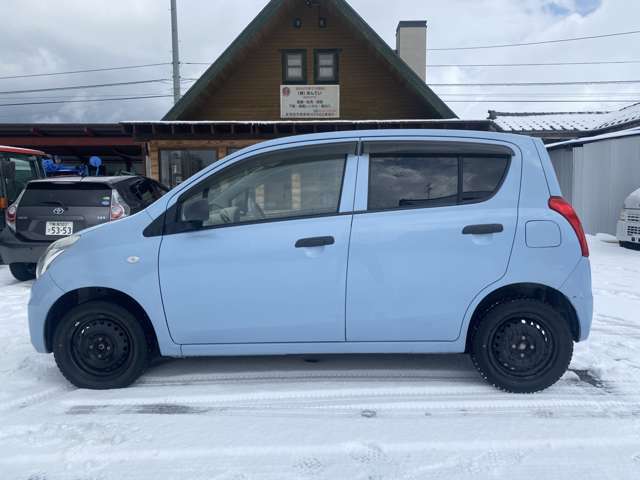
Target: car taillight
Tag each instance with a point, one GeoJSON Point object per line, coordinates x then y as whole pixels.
{"type": "Point", "coordinates": [119, 207]}
{"type": "Point", "coordinates": [10, 216]}
{"type": "Point", "coordinates": [11, 213]}
{"type": "Point", "coordinates": [565, 209]}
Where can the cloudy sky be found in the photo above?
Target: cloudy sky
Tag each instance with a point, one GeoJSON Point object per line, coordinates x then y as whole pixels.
{"type": "Point", "coordinates": [41, 36]}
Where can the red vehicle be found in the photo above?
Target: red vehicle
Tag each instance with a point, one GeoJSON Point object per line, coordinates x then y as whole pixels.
{"type": "Point", "coordinates": [17, 167]}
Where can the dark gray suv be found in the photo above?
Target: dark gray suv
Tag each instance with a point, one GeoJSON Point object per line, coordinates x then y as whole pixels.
{"type": "Point", "coordinates": [52, 208]}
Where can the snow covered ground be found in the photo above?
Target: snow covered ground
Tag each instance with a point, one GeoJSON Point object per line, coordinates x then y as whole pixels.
{"type": "Point", "coordinates": [397, 417]}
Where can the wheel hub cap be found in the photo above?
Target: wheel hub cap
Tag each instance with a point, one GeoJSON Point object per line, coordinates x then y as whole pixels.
{"type": "Point", "coordinates": [521, 347]}
{"type": "Point", "coordinates": [100, 346]}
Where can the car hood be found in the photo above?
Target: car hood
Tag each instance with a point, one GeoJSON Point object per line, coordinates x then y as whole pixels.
{"type": "Point", "coordinates": [633, 200]}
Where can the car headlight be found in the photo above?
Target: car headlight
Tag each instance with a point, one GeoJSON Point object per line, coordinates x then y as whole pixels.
{"type": "Point", "coordinates": [53, 251]}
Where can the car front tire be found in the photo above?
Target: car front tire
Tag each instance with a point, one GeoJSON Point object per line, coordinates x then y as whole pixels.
{"type": "Point", "coordinates": [23, 271]}
{"type": "Point", "coordinates": [522, 346]}
{"type": "Point", "coordinates": [100, 345]}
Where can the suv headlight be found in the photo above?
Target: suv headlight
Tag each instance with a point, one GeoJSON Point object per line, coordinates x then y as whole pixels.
{"type": "Point", "coordinates": [53, 251]}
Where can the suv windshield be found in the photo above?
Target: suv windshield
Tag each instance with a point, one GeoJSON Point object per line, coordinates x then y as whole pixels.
{"type": "Point", "coordinates": [67, 194]}
{"type": "Point", "coordinates": [15, 172]}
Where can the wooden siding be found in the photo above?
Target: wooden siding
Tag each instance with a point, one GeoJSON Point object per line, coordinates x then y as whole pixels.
{"type": "Point", "coordinates": [250, 87]}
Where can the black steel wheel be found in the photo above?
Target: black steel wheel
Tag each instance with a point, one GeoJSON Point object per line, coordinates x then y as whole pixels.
{"type": "Point", "coordinates": [522, 346]}
{"type": "Point", "coordinates": [100, 345]}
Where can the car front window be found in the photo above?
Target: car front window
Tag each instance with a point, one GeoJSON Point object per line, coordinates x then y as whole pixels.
{"type": "Point", "coordinates": [290, 184]}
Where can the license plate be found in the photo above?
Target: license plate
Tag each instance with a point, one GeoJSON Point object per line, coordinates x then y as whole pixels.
{"type": "Point", "coordinates": [58, 229]}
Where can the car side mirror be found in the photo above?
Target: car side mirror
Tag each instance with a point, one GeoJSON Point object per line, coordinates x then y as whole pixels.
{"type": "Point", "coordinates": [196, 211]}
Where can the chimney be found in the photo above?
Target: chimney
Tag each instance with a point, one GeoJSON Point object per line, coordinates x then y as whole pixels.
{"type": "Point", "coordinates": [411, 45]}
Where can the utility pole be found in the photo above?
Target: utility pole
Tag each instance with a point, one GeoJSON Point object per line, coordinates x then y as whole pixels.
{"type": "Point", "coordinates": [176, 53]}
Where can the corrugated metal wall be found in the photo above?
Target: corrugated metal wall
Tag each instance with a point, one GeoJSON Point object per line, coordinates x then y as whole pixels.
{"type": "Point", "coordinates": [597, 177]}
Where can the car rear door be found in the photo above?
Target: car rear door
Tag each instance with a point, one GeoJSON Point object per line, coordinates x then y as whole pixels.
{"type": "Point", "coordinates": [434, 224]}
{"type": "Point", "coordinates": [54, 209]}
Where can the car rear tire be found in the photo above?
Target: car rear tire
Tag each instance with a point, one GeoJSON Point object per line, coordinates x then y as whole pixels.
{"type": "Point", "coordinates": [100, 345]}
{"type": "Point", "coordinates": [522, 346]}
{"type": "Point", "coordinates": [23, 271]}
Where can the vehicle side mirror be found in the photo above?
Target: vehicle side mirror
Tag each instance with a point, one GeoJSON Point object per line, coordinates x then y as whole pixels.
{"type": "Point", "coordinates": [196, 211]}
{"type": "Point", "coordinates": [8, 169]}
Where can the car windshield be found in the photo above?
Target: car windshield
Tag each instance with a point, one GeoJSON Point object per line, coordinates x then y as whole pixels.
{"type": "Point", "coordinates": [15, 172]}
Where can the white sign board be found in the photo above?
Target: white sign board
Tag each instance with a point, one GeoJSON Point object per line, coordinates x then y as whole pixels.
{"type": "Point", "coordinates": [310, 101]}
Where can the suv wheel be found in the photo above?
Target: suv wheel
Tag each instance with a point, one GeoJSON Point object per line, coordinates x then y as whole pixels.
{"type": "Point", "coordinates": [100, 345]}
{"type": "Point", "coordinates": [23, 271]}
{"type": "Point", "coordinates": [522, 346]}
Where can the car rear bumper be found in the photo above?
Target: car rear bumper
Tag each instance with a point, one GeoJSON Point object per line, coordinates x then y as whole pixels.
{"type": "Point", "coordinates": [577, 288]}
{"type": "Point", "coordinates": [14, 250]}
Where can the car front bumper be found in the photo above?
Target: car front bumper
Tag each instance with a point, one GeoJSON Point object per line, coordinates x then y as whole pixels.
{"type": "Point", "coordinates": [14, 250]}
{"type": "Point", "coordinates": [628, 231]}
{"type": "Point", "coordinates": [44, 294]}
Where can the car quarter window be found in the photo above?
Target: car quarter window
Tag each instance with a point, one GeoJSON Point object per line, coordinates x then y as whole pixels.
{"type": "Point", "coordinates": [433, 174]}
{"type": "Point", "coordinates": [285, 184]}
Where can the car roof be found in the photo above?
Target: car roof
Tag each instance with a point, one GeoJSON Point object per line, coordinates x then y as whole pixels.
{"type": "Point", "coordinates": [387, 133]}
{"type": "Point", "coordinates": [26, 151]}
{"type": "Point", "coordinates": [75, 179]}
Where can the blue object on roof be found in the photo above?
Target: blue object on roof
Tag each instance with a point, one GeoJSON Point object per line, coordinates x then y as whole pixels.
{"type": "Point", "coordinates": [53, 169]}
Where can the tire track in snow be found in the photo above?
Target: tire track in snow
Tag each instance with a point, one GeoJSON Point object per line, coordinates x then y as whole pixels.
{"type": "Point", "coordinates": [277, 452]}
{"type": "Point", "coordinates": [427, 399]}
{"type": "Point", "coordinates": [34, 398]}
{"type": "Point", "coordinates": [303, 376]}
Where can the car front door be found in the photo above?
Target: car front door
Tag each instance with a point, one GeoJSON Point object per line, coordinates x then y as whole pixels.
{"type": "Point", "coordinates": [434, 224]}
{"type": "Point", "coordinates": [269, 263]}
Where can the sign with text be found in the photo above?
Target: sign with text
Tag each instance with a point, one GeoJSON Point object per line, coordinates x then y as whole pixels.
{"type": "Point", "coordinates": [310, 101]}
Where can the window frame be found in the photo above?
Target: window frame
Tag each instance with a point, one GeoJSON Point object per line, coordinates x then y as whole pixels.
{"type": "Point", "coordinates": [285, 79]}
{"type": "Point", "coordinates": [173, 224]}
{"type": "Point", "coordinates": [460, 157]}
{"type": "Point", "coordinates": [316, 66]}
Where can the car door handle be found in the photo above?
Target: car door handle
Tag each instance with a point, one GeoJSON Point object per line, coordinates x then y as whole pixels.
{"type": "Point", "coordinates": [482, 229]}
{"type": "Point", "coordinates": [315, 242]}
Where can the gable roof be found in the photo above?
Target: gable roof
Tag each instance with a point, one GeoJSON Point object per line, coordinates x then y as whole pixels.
{"type": "Point", "coordinates": [566, 121]}
{"type": "Point", "coordinates": [359, 25]}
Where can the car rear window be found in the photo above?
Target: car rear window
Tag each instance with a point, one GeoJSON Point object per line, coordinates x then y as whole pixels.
{"type": "Point", "coordinates": [405, 181]}
{"type": "Point", "coordinates": [67, 195]}
{"type": "Point", "coordinates": [431, 180]}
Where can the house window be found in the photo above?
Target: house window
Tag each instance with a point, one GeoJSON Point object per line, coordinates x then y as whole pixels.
{"type": "Point", "coordinates": [294, 66]}
{"type": "Point", "coordinates": [326, 66]}
{"type": "Point", "coordinates": [178, 165]}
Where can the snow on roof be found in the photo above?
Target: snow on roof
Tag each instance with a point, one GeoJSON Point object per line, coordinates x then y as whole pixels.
{"type": "Point", "coordinates": [567, 121]}
{"type": "Point", "coordinates": [605, 136]}
{"type": "Point", "coordinates": [279, 122]}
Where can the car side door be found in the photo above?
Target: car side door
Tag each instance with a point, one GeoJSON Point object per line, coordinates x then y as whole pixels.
{"type": "Point", "coordinates": [268, 265]}
{"type": "Point", "coordinates": [434, 224]}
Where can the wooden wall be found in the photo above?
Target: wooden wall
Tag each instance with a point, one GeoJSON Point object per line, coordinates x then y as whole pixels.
{"type": "Point", "coordinates": [250, 87]}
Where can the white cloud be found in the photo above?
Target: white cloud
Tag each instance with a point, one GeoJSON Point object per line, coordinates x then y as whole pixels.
{"type": "Point", "coordinates": [74, 34]}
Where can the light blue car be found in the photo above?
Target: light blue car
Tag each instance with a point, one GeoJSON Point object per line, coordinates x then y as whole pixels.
{"type": "Point", "coordinates": [397, 241]}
